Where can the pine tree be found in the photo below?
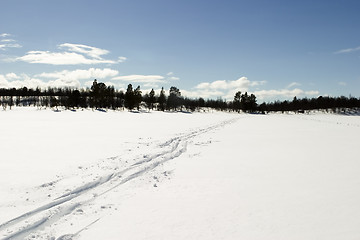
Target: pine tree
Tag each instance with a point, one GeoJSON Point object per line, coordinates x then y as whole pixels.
{"type": "Point", "coordinates": [252, 103]}
{"type": "Point", "coordinates": [237, 101]}
{"type": "Point", "coordinates": [137, 98]}
{"type": "Point", "coordinates": [129, 98]}
{"type": "Point", "coordinates": [151, 99]}
{"type": "Point", "coordinates": [162, 100]}
{"type": "Point", "coordinates": [174, 100]}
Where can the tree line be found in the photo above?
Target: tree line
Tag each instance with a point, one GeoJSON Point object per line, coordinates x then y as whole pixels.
{"type": "Point", "coordinates": [100, 96]}
{"type": "Point", "coordinates": [326, 103]}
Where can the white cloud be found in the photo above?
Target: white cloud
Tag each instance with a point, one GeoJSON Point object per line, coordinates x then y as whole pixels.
{"type": "Point", "coordinates": [312, 93]}
{"type": "Point", "coordinates": [257, 83]}
{"type": "Point", "coordinates": [121, 59]}
{"type": "Point", "coordinates": [3, 81]}
{"type": "Point", "coordinates": [73, 83]}
{"type": "Point", "coordinates": [56, 79]}
{"type": "Point", "coordinates": [29, 82]}
{"type": "Point", "coordinates": [80, 74]}
{"type": "Point", "coordinates": [67, 78]}
{"type": "Point", "coordinates": [7, 40]}
{"type": "Point", "coordinates": [92, 52]}
{"type": "Point", "coordinates": [348, 50]}
{"type": "Point", "coordinates": [222, 88]}
{"type": "Point", "coordinates": [242, 84]}
{"type": "Point", "coordinates": [63, 58]}
{"type": "Point", "coordinates": [74, 54]}
{"type": "Point", "coordinates": [150, 85]}
{"type": "Point", "coordinates": [141, 78]}
{"type": "Point", "coordinates": [174, 78]}
{"type": "Point", "coordinates": [5, 35]}
{"type": "Point", "coordinates": [284, 93]}
{"type": "Point", "coordinates": [204, 93]}
{"type": "Point", "coordinates": [170, 77]}
{"type": "Point", "coordinates": [8, 43]}
{"type": "Point", "coordinates": [342, 83]}
{"type": "Point", "coordinates": [11, 76]}
{"type": "Point", "coordinates": [293, 84]}
{"type": "Point", "coordinates": [227, 89]}
{"type": "Point", "coordinates": [149, 81]}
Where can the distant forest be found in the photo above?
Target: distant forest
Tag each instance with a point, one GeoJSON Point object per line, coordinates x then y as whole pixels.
{"type": "Point", "coordinates": [102, 97]}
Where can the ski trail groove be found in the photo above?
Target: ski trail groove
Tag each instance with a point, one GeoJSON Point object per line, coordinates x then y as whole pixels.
{"type": "Point", "coordinates": [30, 222]}
{"type": "Point", "coordinates": [70, 236]}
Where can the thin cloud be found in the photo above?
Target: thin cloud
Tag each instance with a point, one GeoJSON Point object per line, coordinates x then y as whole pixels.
{"type": "Point", "coordinates": [121, 59]}
{"type": "Point", "coordinates": [92, 52]}
{"type": "Point", "coordinates": [222, 88]}
{"type": "Point", "coordinates": [31, 82]}
{"type": "Point", "coordinates": [241, 84]}
{"type": "Point", "coordinates": [74, 54]}
{"type": "Point", "coordinates": [226, 90]}
{"type": "Point", "coordinates": [8, 43]}
{"type": "Point", "coordinates": [150, 85]}
{"type": "Point", "coordinates": [12, 76]}
{"type": "Point", "coordinates": [284, 93]}
{"type": "Point", "coordinates": [203, 93]}
{"type": "Point", "coordinates": [348, 50]}
{"type": "Point", "coordinates": [141, 78]}
{"type": "Point", "coordinates": [5, 35]}
{"type": "Point", "coordinates": [75, 78]}
{"type": "Point", "coordinates": [342, 83]}
{"type": "Point", "coordinates": [174, 78]}
{"type": "Point", "coordinates": [170, 77]}
{"type": "Point", "coordinates": [64, 58]}
{"type": "Point", "coordinates": [80, 74]}
{"type": "Point", "coordinates": [55, 79]}
{"type": "Point", "coordinates": [7, 40]}
{"type": "Point", "coordinates": [293, 84]}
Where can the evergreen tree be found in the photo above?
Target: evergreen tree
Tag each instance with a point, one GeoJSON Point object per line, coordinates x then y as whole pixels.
{"type": "Point", "coordinates": [137, 98]}
{"type": "Point", "coordinates": [237, 101]}
{"type": "Point", "coordinates": [252, 103]}
{"type": "Point", "coordinates": [73, 99]}
{"type": "Point", "coordinates": [174, 100]}
{"type": "Point", "coordinates": [110, 97]}
{"type": "Point", "coordinates": [201, 102]}
{"type": "Point", "coordinates": [98, 94]}
{"type": "Point", "coordinates": [162, 100]}
{"type": "Point", "coordinates": [94, 94]}
{"type": "Point", "coordinates": [129, 98]}
{"type": "Point", "coordinates": [151, 99]}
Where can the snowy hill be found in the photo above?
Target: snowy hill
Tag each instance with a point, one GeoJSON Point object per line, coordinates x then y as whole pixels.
{"type": "Point", "coordinates": [97, 175]}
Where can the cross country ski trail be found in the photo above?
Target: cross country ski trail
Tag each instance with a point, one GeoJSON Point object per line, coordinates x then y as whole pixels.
{"type": "Point", "coordinates": [92, 182]}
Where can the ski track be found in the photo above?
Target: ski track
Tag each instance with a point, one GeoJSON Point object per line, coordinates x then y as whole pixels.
{"type": "Point", "coordinates": [48, 214]}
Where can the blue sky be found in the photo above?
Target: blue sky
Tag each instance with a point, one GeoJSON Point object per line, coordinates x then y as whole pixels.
{"type": "Point", "coordinates": [275, 49]}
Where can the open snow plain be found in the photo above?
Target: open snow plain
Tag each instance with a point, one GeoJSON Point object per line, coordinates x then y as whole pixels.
{"type": "Point", "coordinates": [121, 175]}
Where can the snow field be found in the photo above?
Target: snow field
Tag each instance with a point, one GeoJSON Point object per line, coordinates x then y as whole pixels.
{"type": "Point", "coordinates": [176, 176]}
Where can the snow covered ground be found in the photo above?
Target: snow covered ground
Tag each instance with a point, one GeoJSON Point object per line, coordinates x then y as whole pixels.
{"type": "Point", "coordinates": [122, 175]}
